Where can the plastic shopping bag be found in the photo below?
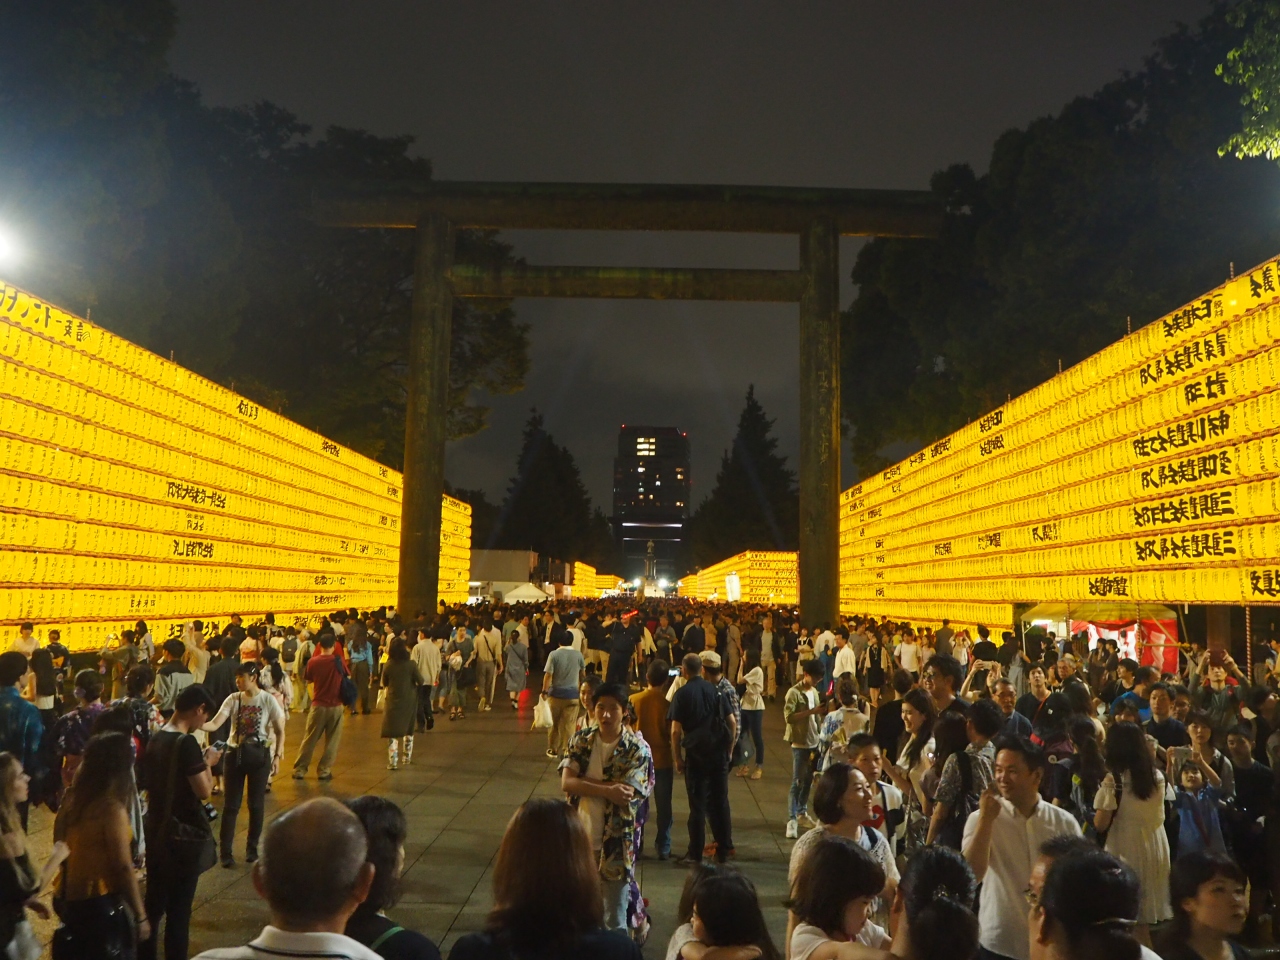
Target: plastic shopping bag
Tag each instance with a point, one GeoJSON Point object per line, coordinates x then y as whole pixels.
{"type": "Point", "coordinates": [542, 714]}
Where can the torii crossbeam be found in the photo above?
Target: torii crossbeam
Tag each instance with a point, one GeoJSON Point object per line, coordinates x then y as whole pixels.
{"type": "Point", "coordinates": [818, 216]}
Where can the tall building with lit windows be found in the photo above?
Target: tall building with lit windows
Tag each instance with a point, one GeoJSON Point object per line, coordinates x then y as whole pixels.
{"type": "Point", "coordinates": [651, 490]}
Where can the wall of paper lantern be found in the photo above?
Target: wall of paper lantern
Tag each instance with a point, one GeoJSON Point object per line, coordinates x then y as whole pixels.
{"type": "Point", "coordinates": [763, 576]}
{"type": "Point", "coordinates": [131, 488]}
{"type": "Point", "coordinates": [1150, 472]}
{"type": "Point", "coordinates": [588, 582]}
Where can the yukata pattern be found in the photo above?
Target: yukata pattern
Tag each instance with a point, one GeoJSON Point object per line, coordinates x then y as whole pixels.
{"type": "Point", "coordinates": [632, 764]}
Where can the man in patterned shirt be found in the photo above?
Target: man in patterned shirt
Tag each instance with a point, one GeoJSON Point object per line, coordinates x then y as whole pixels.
{"type": "Point", "coordinates": [606, 770]}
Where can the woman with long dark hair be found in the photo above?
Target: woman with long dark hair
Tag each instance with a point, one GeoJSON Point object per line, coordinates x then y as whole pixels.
{"type": "Point", "coordinates": [950, 737]}
{"type": "Point", "coordinates": [1086, 911]}
{"type": "Point", "coordinates": [1129, 809]}
{"type": "Point", "coordinates": [751, 737]}
{"type": "Point", "coordinates": [1087, 768]}
{"type": "Point", "coordinates": [99, 902]}
{"type": "Point", "coordinates": [877, 665]}
{"type": "Point", "coordinates": [360, 654]}
{"type": "Point", "coordinates": [546, 894]}
{"type": "Point", "coordinates": [386, 829]}
{"type": "Point", "coordinates": [19, 885]}
{"type": "Point", "coordinates": [915, 759]}
{"type": "Point", "coordinates": [932, 916]}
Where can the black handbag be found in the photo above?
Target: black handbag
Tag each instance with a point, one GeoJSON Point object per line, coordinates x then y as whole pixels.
{"type": "Point", "coordinates": [252, 754]}
{"type": "Point", "coordinates": [185, 843]}
{"type": "Point", "coordinates": [99, 928]}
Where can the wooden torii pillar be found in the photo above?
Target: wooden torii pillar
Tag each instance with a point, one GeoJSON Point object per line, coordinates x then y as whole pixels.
{"type": "Point", "coordinates": [817, 216]}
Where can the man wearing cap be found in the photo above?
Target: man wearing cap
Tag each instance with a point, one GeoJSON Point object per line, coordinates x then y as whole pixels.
{"type": "Point", "coordinates": [713, 670]}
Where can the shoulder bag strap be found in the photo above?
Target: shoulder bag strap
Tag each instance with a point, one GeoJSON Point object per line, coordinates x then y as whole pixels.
{"type": "Point", "coordinates": [384, 937]}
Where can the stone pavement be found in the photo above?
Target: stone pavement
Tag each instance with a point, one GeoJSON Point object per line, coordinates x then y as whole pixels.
{"type": "Point", "coordinates": [466, 779]}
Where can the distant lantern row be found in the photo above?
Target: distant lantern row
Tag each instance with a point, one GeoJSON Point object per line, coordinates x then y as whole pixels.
{"type": "Point", "coordinates": [754, 576]}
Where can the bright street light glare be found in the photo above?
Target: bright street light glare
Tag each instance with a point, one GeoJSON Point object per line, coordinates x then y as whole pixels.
{"type": "Point", "coordinates": [9, 252]}
{"type": "Point", "coordinates": [663, 584]}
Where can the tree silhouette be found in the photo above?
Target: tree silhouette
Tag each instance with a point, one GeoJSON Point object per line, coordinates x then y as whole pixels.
{"type": "Point", "coordinates": [754, 505]}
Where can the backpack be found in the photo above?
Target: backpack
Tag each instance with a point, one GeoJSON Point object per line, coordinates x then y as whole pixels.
{"type": "Point", "coordinates": [289, 649]}
{"type": "Point", "coordinates": [711, 740]}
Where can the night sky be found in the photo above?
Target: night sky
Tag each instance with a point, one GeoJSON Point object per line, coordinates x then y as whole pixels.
{"type": "Point", "coordinates": [822, 94]}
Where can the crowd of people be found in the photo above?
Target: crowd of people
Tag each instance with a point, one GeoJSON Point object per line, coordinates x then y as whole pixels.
{"type": "Point", "coordinates": [949, 795]}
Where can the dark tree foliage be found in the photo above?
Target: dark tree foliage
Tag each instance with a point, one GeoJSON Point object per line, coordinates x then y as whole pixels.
{"type": "Point", "coordinates": [547, 508]}
{"type": "Point", "coordinates": [754, 505]}
{"type": "Point", "coordinates": [1118, 206]}
{"type": "Point", "coordinates": [186, 229]}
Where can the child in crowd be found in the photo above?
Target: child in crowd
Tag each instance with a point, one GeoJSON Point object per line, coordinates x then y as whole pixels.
{"type": "Point", "coordinates": [719, 918]}
{"type": "Point", "coordinates": [1199, 827]}
{"type": "Point", "coordinates": [887, 814]}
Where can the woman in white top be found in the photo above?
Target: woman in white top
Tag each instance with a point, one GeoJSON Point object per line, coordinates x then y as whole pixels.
{"type": "Point", "coordinates": [831, 898]}
{"type": "Point", "coordinates": [1132, 815]}
{"type": "Point", "coordinates": [256, 722]}
{"type": "Point", "coordinates": [915, 760]}
{"type": "Point", "coordinates": [842, 801]}
{"type": "Point", "coordinates": [752, 715]}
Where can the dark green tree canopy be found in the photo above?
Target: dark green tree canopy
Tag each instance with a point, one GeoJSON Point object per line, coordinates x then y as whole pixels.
{"type": "Point", "coordinates": [547, 508]}
{"type": "Point", "coordinates": [1119, 206]}
{"type": "Point", "coordinates": [754, 505]}
{"type": "Point", "coordinates": [1254, 67]}
{"type": "Point", "coordinates": [187, 229]}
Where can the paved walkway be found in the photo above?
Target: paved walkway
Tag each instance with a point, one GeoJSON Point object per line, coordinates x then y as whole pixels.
{"type": "Point", "coordinates": [466, 779]}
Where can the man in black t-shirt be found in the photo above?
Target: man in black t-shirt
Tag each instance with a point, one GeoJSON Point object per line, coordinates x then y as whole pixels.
{"type": "Point", "coordinates": [695, 711]}
{"type": "Point", "coordinates": [178, 779]}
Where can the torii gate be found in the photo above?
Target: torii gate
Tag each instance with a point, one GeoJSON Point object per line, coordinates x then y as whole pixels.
{"type": "Point", "coordinates": [818, 216]}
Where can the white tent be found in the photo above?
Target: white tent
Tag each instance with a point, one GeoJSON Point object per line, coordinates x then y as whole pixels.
{"type": "Point", "coordinates": [525, 593]}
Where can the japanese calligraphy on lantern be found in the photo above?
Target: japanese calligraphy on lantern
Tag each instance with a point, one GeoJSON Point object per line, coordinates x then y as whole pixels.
{"type": "Point", "coordinates": [1150, 471]}
{"type": "Point", "coordinates": [131, 487]}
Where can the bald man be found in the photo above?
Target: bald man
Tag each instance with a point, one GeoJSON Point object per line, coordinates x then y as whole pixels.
{"type": "Point", "coordinates": [313, 875]}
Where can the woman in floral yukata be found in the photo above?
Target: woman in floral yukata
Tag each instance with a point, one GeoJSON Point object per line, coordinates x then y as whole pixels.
{"type": "Point", "coordinates": [607, 772]}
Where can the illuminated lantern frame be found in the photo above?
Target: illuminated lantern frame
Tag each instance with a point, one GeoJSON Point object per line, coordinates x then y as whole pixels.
{"type": "Point", "coordinates": [1149, 472]}
{"type": "Point", "coordinates": [132, 488]}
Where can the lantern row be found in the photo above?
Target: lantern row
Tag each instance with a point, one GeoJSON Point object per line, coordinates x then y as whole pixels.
{"type": "Point", "coordinates": [89, 356]}
{"type": "Point", "coordinates": [1160, 483]}
{"type": "Point", "coordinates": [119, 432]}
{"type": "Point", "coordinates": [763, 577]}
{"type": "Point", "coordinates": [1161, 423]}
{"type": "Point", "coordinates": [132, 488]}
{"type": "Point", "coordinates": [1178, 349]}
{"type": "Point", "coordinates": [59, 517]}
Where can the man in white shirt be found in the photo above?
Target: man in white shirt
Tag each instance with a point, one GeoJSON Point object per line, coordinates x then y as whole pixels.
{"type": "Point", "coordinates": [579, 634]}
{"type": "Point", "coordinates": [313, 874]}
{"type": "Point", "coordinates": [488, 661]}
{"type": "Point", "coordinates": [197, 657]}
{"type": "Point", "coordinates": [823, 641]}
{"type": "Point", "coordinates": [426, 654]}
{"type": "Point", "coordinates": [1002, 839]}
{"type": "Point", "coordinates": [846, 662]}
